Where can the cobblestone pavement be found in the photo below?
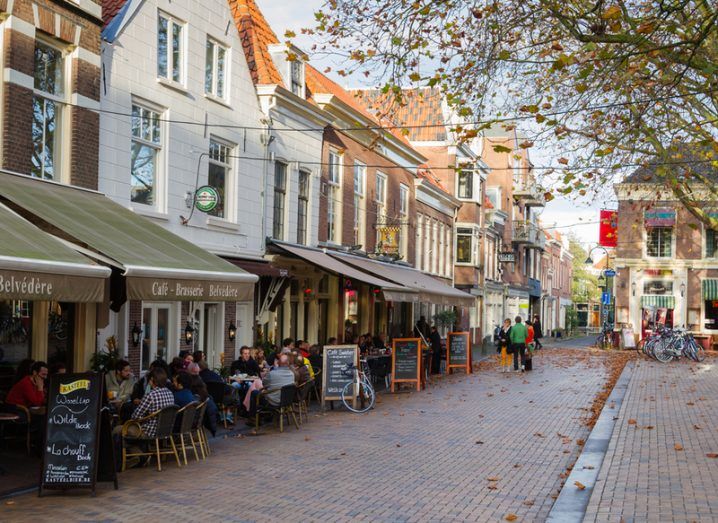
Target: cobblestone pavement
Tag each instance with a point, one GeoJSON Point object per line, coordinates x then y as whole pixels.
{"type": "Point", "coordinates": [470, 448]}
{"type": "Point", "coordinates": [662, 461]}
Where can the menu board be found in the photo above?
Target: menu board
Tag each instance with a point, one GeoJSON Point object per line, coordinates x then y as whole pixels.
{"type": "Point", "coordinates": [458, 351]}
{"type": "Point", "coordinates": [70, 455]}
{"type": "Point", "coordinates": [406, 361]}
{"type": "Point", "coordinates": [336, 358]}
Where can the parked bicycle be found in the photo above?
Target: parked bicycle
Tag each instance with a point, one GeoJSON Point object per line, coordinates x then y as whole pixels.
{"type": "Point", "coordinates": [358, 395]}
{"type": "Point", "coordinates": [12, 330]}
{"type": "Point", "coordinates": [605, 338]}
{"type": "Point", "coordinates": [666, 344]}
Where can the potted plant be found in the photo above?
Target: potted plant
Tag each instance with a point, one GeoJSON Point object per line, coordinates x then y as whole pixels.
{"type": "Point", "coordinates": [105, 359]}
{"type": "Point", "coordinates": [446, 318]}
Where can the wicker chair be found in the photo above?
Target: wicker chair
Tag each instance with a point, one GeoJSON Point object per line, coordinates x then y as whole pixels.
{"type": "Point", "coordinates": [198, 429]}
{"type": "Point", "coordinates": [218, 391]}
{"type": "Point", "coordinates": [285, 407]}
{"type": "Point", "coordinates": [22, 423]}
{"type": "Point", "coordinates": [316, 386]}
{"type": "Point", "coordinates": [301, 402]}
{"type": "Point", "coordinates": [187, 416]}
{"type": "Point", "coordinates": [165, 425]}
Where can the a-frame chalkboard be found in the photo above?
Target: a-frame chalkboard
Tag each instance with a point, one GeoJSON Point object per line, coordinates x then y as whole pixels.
{"type": "Point", "coordinates": [78, 441]}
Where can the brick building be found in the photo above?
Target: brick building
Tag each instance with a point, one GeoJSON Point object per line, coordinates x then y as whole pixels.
{"type": "Point", "coordinates": [556, 280]}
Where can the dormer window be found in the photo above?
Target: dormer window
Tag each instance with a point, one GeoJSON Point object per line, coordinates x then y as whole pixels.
{"type": "Point", "coordinates": [296, 68]}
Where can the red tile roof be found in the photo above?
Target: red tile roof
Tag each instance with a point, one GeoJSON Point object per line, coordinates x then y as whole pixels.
{"type": "Point", "coordinates": [110, 8]}
{"type": "Point", "coordinates": [256, 35]}
{"type": "Point", "coordinates": [420, 108]}
{"type": "Point", "coordinates": [426, 173]}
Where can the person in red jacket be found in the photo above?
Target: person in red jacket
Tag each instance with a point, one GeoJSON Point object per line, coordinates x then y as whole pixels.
{"type": "Point", "coordinates": [30, 390]}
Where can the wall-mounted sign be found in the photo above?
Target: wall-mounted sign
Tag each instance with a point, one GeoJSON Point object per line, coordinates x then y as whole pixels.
{"type": "Point", "coordinates": [664, 217]}
{"type": "Point", "coordinates": [609, 273]}
{"type": "Point", "coordinates": [608, 228]}
{"type": "Point", "coordinates": [206, 198]}
{"type": "Point", "coordinates": [388, 240]}
{"type": "Point", "coordinates": [507, 257]}
{"type": "Point", "coordinates": [50, 287]}
{"type": "Point", "coordinates": [160, 289]}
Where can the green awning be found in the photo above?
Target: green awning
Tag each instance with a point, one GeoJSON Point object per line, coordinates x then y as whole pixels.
{"type": "Point", "coordinates": [158, 264]}
{"type": "Point", "coordinates": [710, 289]}
{"type": "Point", "coordinates": [35, 265]}
{"type": "Point", "coordinates": [658, 301]}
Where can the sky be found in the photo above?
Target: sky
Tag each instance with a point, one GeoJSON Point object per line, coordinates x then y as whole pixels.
{"type": "Point", "coordinates": [566, 215]}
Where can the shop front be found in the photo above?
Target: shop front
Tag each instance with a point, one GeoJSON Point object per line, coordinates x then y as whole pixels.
{"type": "Point", "coordinates": [494, 315]}
{"type": "Point", "coordinates": [517, 304]}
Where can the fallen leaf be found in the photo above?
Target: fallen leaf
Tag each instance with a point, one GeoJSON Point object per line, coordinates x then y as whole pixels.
{"type": "Point", "coordinates": [678, 446]}
{"type": "Point", "coordinates": [10, 502]}
{"type": "Point", "coordinates": [398, 445]}
{"type": "Point", "coordinates": [579, 485]}
{"type": "Point", "coordinates": [492, 487]}
{"type": "Point", "coordinates": [538, 434]}
{"type": "Point", "coordinates": [529, 502]}
{"type": "Point", "coordinates": [517, 466]}
{"type": "Point", "coordinates": [712, 455]}
{"type": "Point", "coordinates": [479, 442]}
{"type": "Point", "coordinates": [580, 442]}
{"type": "Point", "coordinates": [697, 427]}
{"type": "Point", "coordinates": [690, 403]}
{"type": "Point", "coordinates": [493, 478]}
{"type": "Point", "coordinates": [649, 427]}
{"type": "Point", "coordinates": [511, 517]}
{"type": "Point", "coordinates": [631, 421]}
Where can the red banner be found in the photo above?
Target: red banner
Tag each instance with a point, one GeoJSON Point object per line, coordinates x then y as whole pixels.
{"type": "Point", "coordinates": [608, 229]}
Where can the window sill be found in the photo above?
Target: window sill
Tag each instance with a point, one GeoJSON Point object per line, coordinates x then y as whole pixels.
{"type": "Point", "coordinates": [176, 86]}
{"type": "Point", "coordinates": [218, 100]}
{"type": "Point", "coordinates": [150, 213]}
{"type": "Point", "coordinates": [222, 223]}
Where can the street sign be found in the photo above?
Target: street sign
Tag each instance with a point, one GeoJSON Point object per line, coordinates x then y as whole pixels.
{"type": "Point", "coordinates": [507, 257]}
{"type": "Point", "coordinates": [606, 298]}
{"type": "Point", "coordinates": [609, 273]}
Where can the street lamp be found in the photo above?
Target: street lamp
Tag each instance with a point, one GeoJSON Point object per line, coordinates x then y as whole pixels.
{"type": "Point", "coordinates": [602, 279]}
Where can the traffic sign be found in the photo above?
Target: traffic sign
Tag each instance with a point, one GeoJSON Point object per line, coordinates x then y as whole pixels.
{"type": "Point", "coordinates": [609, 273]}
{"type": "Point", "coordinates": [606, 298]}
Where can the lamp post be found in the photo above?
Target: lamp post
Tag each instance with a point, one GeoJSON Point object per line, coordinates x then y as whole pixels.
{"type": "Point", "coordinates": [603, 281]}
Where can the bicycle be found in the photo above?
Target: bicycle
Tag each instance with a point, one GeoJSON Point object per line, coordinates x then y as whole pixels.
{"type": "Point", "coordinates": [668, 344]}
{"type": "Point", "coordinates": [605, 338]}
{"type": "Point", "coordinates": [358, 395]}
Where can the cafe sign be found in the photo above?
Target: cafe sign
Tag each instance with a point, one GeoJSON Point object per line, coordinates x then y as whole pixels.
{"type": "Point", "coordinates": [507, 257]}
{"type": "Point", "coordinates": [659, 217]}
{"type": "Point", "coordinates": [162, 289]}
{"type": "Point", "coordinates": [31, 286]}
{"type": "Point", "coordinates": [388, 241]}
{"type": "Point", "coordinates": [206, 198]}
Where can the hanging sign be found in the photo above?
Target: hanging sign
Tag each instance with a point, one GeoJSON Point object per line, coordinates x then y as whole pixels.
{"type": "Point", "coordinates": [206, 198]}
{"type": "Point", "coordinates": [608, 228]}
{"type": "Point", "coordinates": [388, 240]}
{"type": "Point", "coordinates": [507, 257]}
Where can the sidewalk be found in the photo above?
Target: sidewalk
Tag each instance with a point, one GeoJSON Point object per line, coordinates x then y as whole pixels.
{"type": "Point", "coordinates": [662, 460]}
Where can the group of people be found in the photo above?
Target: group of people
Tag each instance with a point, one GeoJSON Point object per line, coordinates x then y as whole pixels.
{"type": "Point", "coordinates": [520, 340]}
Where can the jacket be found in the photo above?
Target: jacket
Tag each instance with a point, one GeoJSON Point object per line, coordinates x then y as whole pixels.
{"type": "Point", "coordinates": [518, 333]}
{"type": "Point", "coordinates": [504, 337]}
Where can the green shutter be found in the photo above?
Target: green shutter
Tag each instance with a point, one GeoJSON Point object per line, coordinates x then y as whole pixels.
{"type": "Point", "coordinates": [658, 301]}
{"type": "Point", "coordinates": [710, 289]}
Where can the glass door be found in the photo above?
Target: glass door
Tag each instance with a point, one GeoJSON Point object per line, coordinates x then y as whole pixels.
{"type": "Point", "coordinates": [155, 331]}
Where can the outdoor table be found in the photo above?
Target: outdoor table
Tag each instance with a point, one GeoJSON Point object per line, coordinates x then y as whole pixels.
{"type": "Point", "coordinates": [38, 411]}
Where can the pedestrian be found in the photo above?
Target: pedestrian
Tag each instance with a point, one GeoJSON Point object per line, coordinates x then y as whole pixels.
{"type": "Point", "coordinates": [538, 333]}
{"type": "Point", "coordinates": [435, 341]}
{"type": "Point", "coordinates": [504, 345]}
{"type": "Point", "coordinates": [518, 336]}
{"type": "Point", "coordinates": [421, 329]}
{"type": "Point", "coordinates": [528, 360]}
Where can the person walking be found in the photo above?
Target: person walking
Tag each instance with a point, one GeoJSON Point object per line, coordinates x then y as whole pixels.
{"type": "Point", "coordinates": [518, 336]}
{"type": "Point", "coordinates": [538, 333]}
{"type": "Point", "coordinates": [435, 341]}
{"type": "Point", "coordinates": [504, 345]}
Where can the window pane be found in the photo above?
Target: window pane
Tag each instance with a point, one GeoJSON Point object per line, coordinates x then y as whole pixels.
{"type": "Point", "coordinates": [43, 137]}
{"type": "Point", "coordinates": [711, 319]}
{"type": "Point", "coordinates": [217, 178]}
{"type": "Point", "coordinates": [176, 52]}
{"type": "Point", "coordinates": [163, 324]}
{"type": "Point", "coordinates": [144, 165]}
{"type": "Point", "coordinates": [465, 189]}
{"type": "Point", "coordinates": [209, 67]}
{"type": "Point", "coordinates": [463, 248]}
{"type": "Point", "coordinates": [136, 121]}
{"type": "Point", "coordinates": [280, 175]}
{"type": "Point", "coordinates": [146, 338]}
{"type": "Point", "coordinates": [48, 69]}
{"type": "Point", "coordinates": [711, 245]}
{"type": "Point", "coordinates": [220, 71]}
{"type": "Point", "coordinates": [162, 47]}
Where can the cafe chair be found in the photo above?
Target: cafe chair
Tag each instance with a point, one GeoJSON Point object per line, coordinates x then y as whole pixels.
{"type": "Point", "coordinates": [132, 432]}
{"type": "Point", "coordinates": [316, 386]}
{"type": "Point", "coordinates": [302, 399]}
{"type": "Point", "coordinates": [186, 418]}
{"type": "Point", "coordinates": [218, 392]}
{"type": "Point", "coordinates": [20, 425]}
{"type": "Point", "coordinates": [284, 409]}
{"type": "Point", "coordinates": [198, 429]}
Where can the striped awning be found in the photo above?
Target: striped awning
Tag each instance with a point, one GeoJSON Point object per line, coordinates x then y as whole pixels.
{"type": "Point", "coordinates": [658, 301]}
{"type": "Point", "coordinates": [710, 289]}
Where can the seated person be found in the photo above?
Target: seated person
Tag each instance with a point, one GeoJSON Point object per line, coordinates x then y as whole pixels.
{"type": "Point", "coordinates": [208, 375]}
{"type": "Point", "coordinates": [262, 363]}
{"type": "Point", "coordinates": [245, 364]}
{"type": "Point", "coordinates": [315, 357]}
{"type": "Point", "coordinates": [183, 389]}
{"type": "Point", "coordinates": [157, 398]}
{"type": "Point", "coordinates": [58, 368]}
{"type": "Point", "coordinates": [277, 379]}
{"type": "Point", "coordinates": [301, 370]}
{"type": "Point", "coordinates": [142, 387]}
{"type": "Point", "coordinates": [30, 391]}
{"type": "Point", "coordinates": [120, 382]}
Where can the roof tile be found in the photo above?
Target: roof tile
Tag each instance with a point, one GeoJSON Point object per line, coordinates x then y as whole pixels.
{"type": "Point", "coordinates": [256, 35]}
{"type": "Point", "coordinates": [110, 8]}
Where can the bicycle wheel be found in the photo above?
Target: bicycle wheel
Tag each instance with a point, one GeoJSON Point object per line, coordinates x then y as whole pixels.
{"type": "Point", "coordinates": [663, 353]}
{"type": "Point", "coordinates": [364, 401]}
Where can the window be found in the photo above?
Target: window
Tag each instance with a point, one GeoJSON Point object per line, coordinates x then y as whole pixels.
{"type": "Point", "coordinates": [155, 334]}
{"type": "Point", "coordinates": [215, 69]}
{"type": "Point", "coordinates": [659, 242]}
{"type": "Point", "coordinates": [303, 207]}
{"type": "Point", "coordinates": [359, 206]}
{"type": "Point", "coordinates": [419, 241]}
{"type": "Point", "coordinates": [49, 79]}
{"type": "Point", "coordinates": [711, 243]}
{"type": "Point", "coordinates": [280, 195]}
{"type": "Point", "coordinates": [464, 245]}
{"type": "Point", "coordinates": [494, 196]}
{"type": "Point", "coordinates": [711, 315]}
{"type": "Point", "coordinates": [380, 196]}
{"type": "Point", "coordinates": [219, 175]}
{"type": "Point", "coordinates": [146, 146]}
{"type": "Point", "coordinates": [465, 184]}
{"type": "Point", "coordinates": [334, 197]}
{"type": "Point", "coordinates": [297, 77]}
{"type": "Point", "coordinates": [170, 48]}
{"type": "Point", "coordinates": [404, 220]}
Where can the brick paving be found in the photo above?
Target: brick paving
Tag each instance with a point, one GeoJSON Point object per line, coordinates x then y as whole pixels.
{"type": "Point", "coordinates": [420, 456]}
{"type": "Point", "coordinates": [645, 476]}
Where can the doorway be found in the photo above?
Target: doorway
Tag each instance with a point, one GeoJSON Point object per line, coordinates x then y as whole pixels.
{"type": "Point", "coordinates": [211, 341]}
{"type": "Point", "coordinates": [155, 330]}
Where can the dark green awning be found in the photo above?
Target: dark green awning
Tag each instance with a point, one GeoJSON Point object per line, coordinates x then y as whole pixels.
{"type": "Point", "coordinates": [157, 263]}
{"type": "Point", "coordinates": [710, 289]}
{"type": "Point", "coordinates": [658, 301]}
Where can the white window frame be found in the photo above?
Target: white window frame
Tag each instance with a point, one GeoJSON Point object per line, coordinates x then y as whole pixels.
{"type": "Point", "coordinates": [307, 199]}
{"type": "Point", "coordinates": [229, 178]}
{"type": "Point", "coordinates": [419, 243]}
{"type": "Point", "coordinates": [161, 158]}
{"type": "Point", "coordinates": [212, 92]}
{"type": "Point", "coordinates": [62, 123]}
{"type": "Point", "coordinates": [360, 172]}
{"type": "Point", "coordinates": [474, 244]}
{"type": "Point", "coordinates": [672, 255]}
{"type": "Point", "coordinates": [284, 194]}
{"type": "Point", "coordinates": [380, 196]}
{"type": "Point", "coordinates": [172, 340]}
{"type": "Point", "coordinates": [472, 178]}
{"type": "Point", "coordinates": [302, 80]}
{"type": "Point", "coordinates": [706, 230]}
{"type": "Point", "coordinates": [335, 175]}
{"type": "Point", "coordinates": [169, 77]}
{"type": "Point", "coordinates": [404, 220]}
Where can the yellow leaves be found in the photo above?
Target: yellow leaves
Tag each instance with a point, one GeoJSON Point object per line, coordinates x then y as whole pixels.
{"type": "Point", "coordinates": [563, 161]}
{"type": "Point", "coordinates": [493, 478]}
{"type": "Point", "coordinates": [511, 517]}
{"type": "Point", "coordinates": [678, 447]}
{"type": "Point", "coordinates": [612, 13]}
{"type": "Point", "coordinates": [631, 421]}
{"type": "Point", "coordinates": [646, 28]}
{"type": "Point", "coordinates": [579, 485]}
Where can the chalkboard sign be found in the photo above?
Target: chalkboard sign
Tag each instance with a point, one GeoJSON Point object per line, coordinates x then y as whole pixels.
{"type": "Point", "coordinates": [458, 351]}
{"type": "Point", "coordinates": [406, 362]}
{"type": "Point", "coordinates": [336, 358]}
{"type": "Point", "coordinates": [71, 451]}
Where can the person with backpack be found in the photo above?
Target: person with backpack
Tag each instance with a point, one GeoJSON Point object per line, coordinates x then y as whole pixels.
{"type": "Point", "coordinates": [504, 345]}
{"type": "Point", "coordinates": [517, 336]}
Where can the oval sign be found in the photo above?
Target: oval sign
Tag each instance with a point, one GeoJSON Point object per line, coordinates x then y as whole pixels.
{"type": "Point", "coordinates": [206, 198]}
